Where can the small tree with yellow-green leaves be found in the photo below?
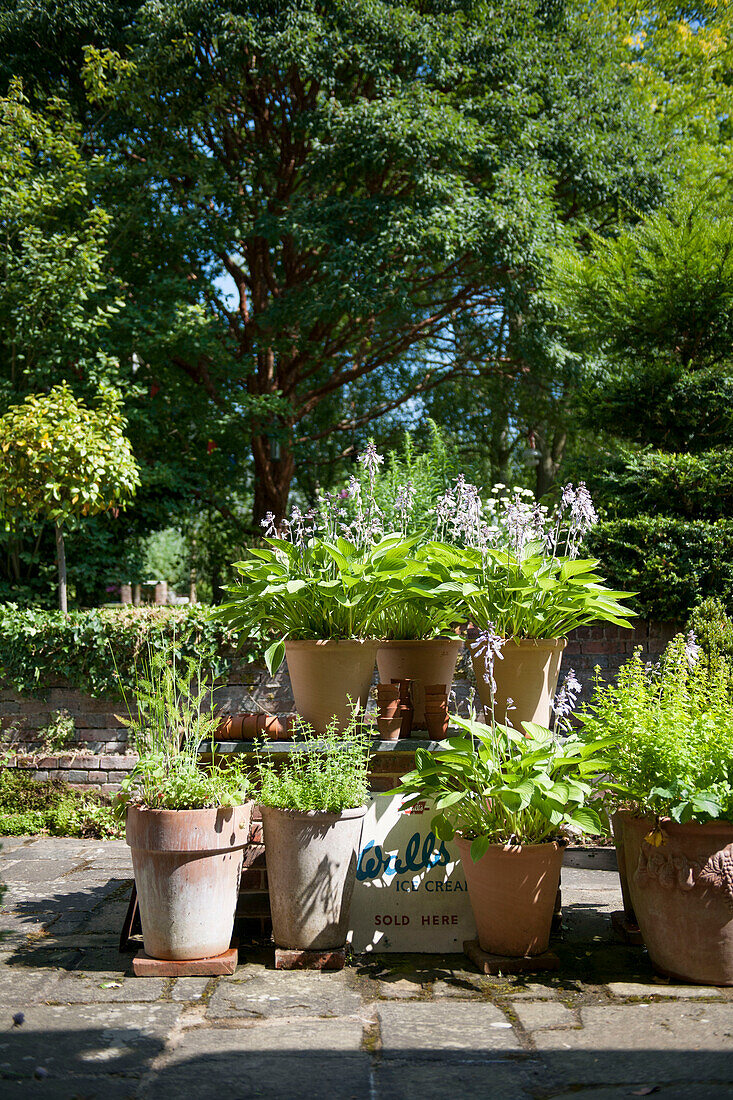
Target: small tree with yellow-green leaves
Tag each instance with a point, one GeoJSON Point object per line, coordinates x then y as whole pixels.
{"type": "Point", "coordinates": [61, 461]}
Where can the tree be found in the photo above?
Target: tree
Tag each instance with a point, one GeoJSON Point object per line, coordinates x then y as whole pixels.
{"type": "Point", "coordinates": [56, 294]}
{"type": "Point", "coordinates": [62, 461]}
{"type": "Point", "coordinates": [655, 307]}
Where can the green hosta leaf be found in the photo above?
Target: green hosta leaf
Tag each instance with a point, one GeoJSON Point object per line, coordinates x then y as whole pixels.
{"type": "Point", "coordinates": [479, 847]}
{"type": "Point", "coordinates": [274, 656]}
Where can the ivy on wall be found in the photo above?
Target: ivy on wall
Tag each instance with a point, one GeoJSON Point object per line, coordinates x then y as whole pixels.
{"type": "Point", "coordinates": [41, 648]}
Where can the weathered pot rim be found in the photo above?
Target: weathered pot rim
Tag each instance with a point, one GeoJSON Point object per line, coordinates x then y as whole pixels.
{"type": "Point", "coordinates": [189, 810]}
{"type": "Point", "coordinates": [317, 815]}
{"type": "Point", "coordinates": [404, 643]}
{"type": "Point", "coordinates": [300, 643]}
{"type": "Point", "coordinates": [535, 643]}
{"type": "Point", "coordinates": [517, 849]}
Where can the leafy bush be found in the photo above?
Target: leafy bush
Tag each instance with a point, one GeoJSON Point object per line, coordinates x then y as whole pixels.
{"type": "Point", "coordinates": [671, 727]}
{"type": "Point", "coordinates": [671, 564]}
{"type": "Point", "coordinates": [713, 630]}
{"type": "Point", "coordinates": [39, 646]}
{"type": "Point", "coordinates": [29, 806]}
{"type": "Point", "coordinates": [173, 714]}
{"type": "Point", "coordinates": [497, 786]}
{"type": "Point", "coordinates": [327, 772]}
{"type": "Point", "coordinates": [688, 486]}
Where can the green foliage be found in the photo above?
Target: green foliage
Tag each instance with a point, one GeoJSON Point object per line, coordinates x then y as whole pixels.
{"type": "Point", "coordinates": [712, 628]}
{"type": "Point", "coordinates": [319, 588]}
{"type": "Point", "coordinates": [671, 728]}
{"type": "Point", "coordinates": [323, 772]}
{"type": "Point", "coordinates": [57, 295]}
{"type": "Point", "coordinates": [528, 595]}
{"type": "Point", "coordinates": [58, 733]}
{"type": "Point", "coordinates": [171, 715]}
{"type": "Point", "coordinates": [62, 460]}
{"type": "Point", "coordinates": [39, 647]}
{"type": "Point", "coordinates": [29, 806]}
{"type": "Point", "coordinates": [166, 557]}
{"type": "Point", "coordinates": [684, 485]}
{"type": "Point", "coordinates": [498, 785]}
{"type": "Point", "coordinates": [671, 564]}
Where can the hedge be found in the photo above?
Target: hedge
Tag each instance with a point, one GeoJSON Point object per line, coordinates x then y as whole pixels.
{"type": "Point", "coordinates": [671, 563]}
{"type": "Point", "coordinates": [39, 648]}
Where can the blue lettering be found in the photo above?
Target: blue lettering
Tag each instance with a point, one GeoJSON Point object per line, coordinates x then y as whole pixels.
{"type": "Point", "coordinates": [373, 863]}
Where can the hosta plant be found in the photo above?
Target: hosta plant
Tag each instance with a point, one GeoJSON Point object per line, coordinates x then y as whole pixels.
{"type": "Point", "coordinates": [495, 785]}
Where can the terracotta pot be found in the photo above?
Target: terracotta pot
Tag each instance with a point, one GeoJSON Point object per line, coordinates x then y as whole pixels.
{"type": "Point", "coordinates": [326, 674]}
{"type": "Point", "coordinates": [436, 721]}
{"type": "Point", "coordinates": [274, 727]}
{"type": "Point", "coordinates": [512, 891]}
{"type": "Point", "coordinates": [617, 824]}
{"type": "Point", "coordinates": [389, 728]}
{"type": "Point", "coordinates": [527, 674]}
{"type": "Point", "coordinates": [430, 661]}
{"type": "Point", "coordinates": [388, 708]}
{"type": "Point", "coordinates": [230, 728]}
{"type": "Point", "coordinates": [187, 865]}
{"type": "Point", "coordinates": [250, 726]}
{"type": "Point", "coordinates": [311, 869]}
{"type": "Point", "coordinates": [682, 894]}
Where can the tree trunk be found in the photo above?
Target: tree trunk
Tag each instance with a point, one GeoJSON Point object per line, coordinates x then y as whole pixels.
{"type": "Point", "coordinates": [552, 448]}
{"type": "Point", "coordinates": [273, 473]}
{"type": "Point", "coordinates": [61, 561]}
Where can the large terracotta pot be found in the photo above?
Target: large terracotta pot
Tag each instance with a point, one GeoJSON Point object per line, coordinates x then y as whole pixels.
{"type": "Point", "coordinates": [682, 894]}
{"type": "Point", "coordinates": [311, 870]}
{"type": "Point", "coordinates": [325, 675]}
{"type": "Point", "coordinates": [426, 661]}
{"type": "Point", "coordinates": [527, 674]}
{"type": "Point", "coordinates": [512, 890]}
{"type": "Point", "coordinates": [187, 865]}
{"type": "Point", "coordinates": [618, 821]}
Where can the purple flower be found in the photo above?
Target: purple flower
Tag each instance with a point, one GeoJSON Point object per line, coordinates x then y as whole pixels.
{"type": "Point", "coordinates": [371, 460]}
{"type": "Point", "coordinates": [567, 696]}
{"type": "Point", "coordinates": [692, 649]}
{"type": "Point", "coordinates": [489, 645]}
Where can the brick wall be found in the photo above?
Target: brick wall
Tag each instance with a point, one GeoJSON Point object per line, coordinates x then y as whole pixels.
{"type": "Point", "coordinates": [99, 754]}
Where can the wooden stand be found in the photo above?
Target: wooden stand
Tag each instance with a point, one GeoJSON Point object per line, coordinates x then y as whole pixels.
{"type": "Point", "coordinates": [286, 959]}
{"type": "Point", "coordinates": [626, 928]}
{"type": "Point", "coordinates": [509, 964]}
{"type": "Point", "coordinates": [145, 967]}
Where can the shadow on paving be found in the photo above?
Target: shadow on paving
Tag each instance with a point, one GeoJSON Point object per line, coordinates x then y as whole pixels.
{"type": "Point", "coordinates": [113, 1061]}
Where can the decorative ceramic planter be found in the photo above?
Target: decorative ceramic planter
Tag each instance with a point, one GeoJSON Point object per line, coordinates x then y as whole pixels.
{"type": "Point", "coordinates": [527, 674]}
{"type": "Point", "coordinates": [682, 894]}
{"type": "Point", "coordinates": [311, 870]}
{"type": "Point", "coordinates": [187, 865]}
{"type": "Point", "coordinates": [325, 675]}
{"type": "Point", "coordinates": [512, 891]}
{"type": "Point", "coordinates": [427, 661]}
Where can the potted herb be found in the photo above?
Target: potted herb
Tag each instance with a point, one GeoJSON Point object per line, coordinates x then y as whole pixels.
{"type": "Point", "coordinates": [509, 798]}
{"type": "Point", "coordinates": [186, 825]}
{"type": "Point", "coordinates": [518, 579]}
{"type": "Point", "coordinates": [672, 788]}
{"type": "Point", "coordinates": [313, 808]}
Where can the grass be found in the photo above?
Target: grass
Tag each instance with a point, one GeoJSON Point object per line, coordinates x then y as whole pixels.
{"type": "Point", "coordinates": [29, 806]}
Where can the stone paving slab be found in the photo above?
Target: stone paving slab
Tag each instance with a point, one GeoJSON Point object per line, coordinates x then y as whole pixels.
{"type": "Point", "coordinates": [385, 1028]}
{"type": "Point", "coordinates": [66, 1040]}
{"type": "Point", "coordinates": [257, 993]}
{"type": "Point", "coordinates": [428, 1030]}
{"type": "Point", "coordinates": [320, 1058]}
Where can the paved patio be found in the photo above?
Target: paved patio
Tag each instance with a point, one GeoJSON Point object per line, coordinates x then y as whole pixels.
{"type": "Point", "coordinates": [75, 1025]}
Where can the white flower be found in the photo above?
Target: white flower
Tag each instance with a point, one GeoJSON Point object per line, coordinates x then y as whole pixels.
{"type": "Point", "coordinates": [692, 649]}
{"type": "Point", "coordinates": [371, 460]}
{"type": "Point", "coordinates": [567, 696]}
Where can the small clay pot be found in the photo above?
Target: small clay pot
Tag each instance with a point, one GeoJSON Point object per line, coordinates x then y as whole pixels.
{"type": "Point", "coordinates": [405, 715]}
{"type": "Point", "coordinates": [436, 721]}
{"type": "Point", "coordinates": [431, 690]}
{"type": "Point", "coordinates": [388, 691]}
{"type": "Point", "coordinates": [273, 727]}
{"type": "Point", "coordinates": [389, 728]}
{"type": "Point", "coordinates": [250, 726]}
{"type": "Point", "coordinates": [389, 709]}
{"type": "Point", "coordinates": [230, 728]}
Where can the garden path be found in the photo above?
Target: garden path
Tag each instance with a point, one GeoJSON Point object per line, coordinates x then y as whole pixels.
{"type": "Point", "coordinates": [75, 1025]}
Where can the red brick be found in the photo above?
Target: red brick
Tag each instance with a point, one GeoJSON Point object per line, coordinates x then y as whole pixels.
{"type": "Point", "coordinates": [599, 647]}
{"type": "Point", "coordinates": [255, 833]}
{"type": "Point", "coordinates": [145, 967]}
{"type": "Point", "coordinates": [394, 763]}
{"type": "Point", "coordinates": [382, 783]}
